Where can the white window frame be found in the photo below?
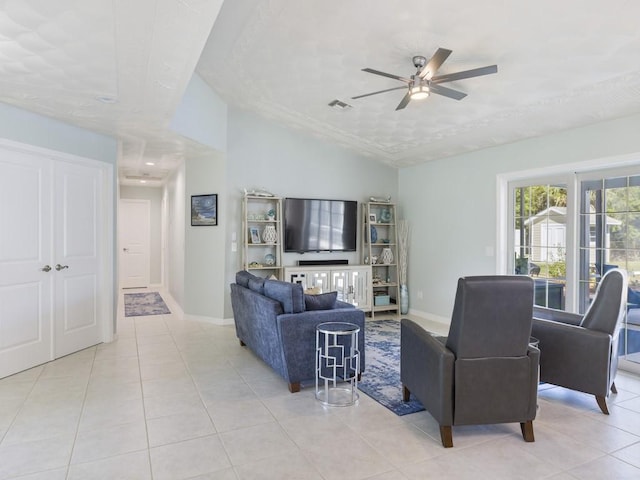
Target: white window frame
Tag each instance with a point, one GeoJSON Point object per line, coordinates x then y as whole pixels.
{"type": "Point", "coordinates": [570, 174]}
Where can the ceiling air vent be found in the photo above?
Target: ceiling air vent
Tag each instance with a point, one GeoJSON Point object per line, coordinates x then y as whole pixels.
{"type": "Point", "coordinates": [339, 104]}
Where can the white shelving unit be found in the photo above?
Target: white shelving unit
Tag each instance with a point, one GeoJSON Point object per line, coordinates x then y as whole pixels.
{"type": "Point", "coordinates": [260, 257]}
{"type": "Point", "coordinates": [380, 250]}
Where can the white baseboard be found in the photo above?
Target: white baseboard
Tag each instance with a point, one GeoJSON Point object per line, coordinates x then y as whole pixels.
{"type": "Point", "coordinates": [430, 316]}
{"type": "Point", "coordinates": [211, 320]}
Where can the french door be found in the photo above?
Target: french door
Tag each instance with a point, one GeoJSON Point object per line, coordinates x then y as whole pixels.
{"type": "Point", "coordinates": [610, 238]}
{"type": "Point", "coordinates": [567, 232]}
{"type": "Point", "coordinates": [52, 285]}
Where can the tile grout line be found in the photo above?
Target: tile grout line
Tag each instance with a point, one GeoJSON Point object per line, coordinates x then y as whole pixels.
{"type": "Point", "coordinates": [84, 400]}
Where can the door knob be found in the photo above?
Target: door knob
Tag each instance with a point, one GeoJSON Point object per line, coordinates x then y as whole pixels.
{"type": "Point", "coordinates": [60, 267]}
{"type": "Point", "coordinates": [46, 268]}
{"type": "Point", "coordinates": [125, 249]}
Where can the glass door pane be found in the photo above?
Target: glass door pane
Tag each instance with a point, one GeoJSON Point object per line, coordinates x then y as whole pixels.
{"type": "Point", "coordinates": [540, 240]}
{"type": "Point", "coordinates": [610, 238]}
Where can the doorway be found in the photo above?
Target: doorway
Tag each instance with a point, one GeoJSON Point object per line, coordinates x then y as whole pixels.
{"type": "Point", "coordinates": [134, 233]}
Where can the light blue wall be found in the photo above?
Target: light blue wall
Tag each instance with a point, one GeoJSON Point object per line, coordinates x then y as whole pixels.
{"type": "Point", "coordinates": [33, 129]}
{"type": "Point", "coordinates": [205, 246]}
{"type": "Point", "coordinates": [201, 115]}
{"type": "Point", "coordinates": [174, 197]}
{"type": "Point", "coordinates": [451, 203]}
{"type": "Point", "coordinates": [289, 163]}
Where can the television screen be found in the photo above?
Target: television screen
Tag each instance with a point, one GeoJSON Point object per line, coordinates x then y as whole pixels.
{"type": "Point", "coordinates": [312, 225]}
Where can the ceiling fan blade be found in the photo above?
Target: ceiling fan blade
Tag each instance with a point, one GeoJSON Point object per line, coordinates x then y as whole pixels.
{"type": "Point", "coordinates": [434, 63]}
{"type": "Point", "coordinates": [405, 101]}
{"type": "Point", "coordinates": [389, 75]}
{"type": "Point", "coordinates": [447, 92]}
{"type": "Point", "coordinates": [379, 91]}
{"type": "Point", "coordinates": [476, 72]}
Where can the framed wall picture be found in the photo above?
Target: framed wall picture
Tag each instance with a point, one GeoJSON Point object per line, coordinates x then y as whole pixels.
{"type": "Point", "coordinates": [254, 234]}
{"type": "Point", "coordinates": [204, 210]}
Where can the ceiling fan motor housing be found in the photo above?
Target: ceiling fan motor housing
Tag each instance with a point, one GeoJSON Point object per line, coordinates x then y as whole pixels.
{"type": "Point", "coordinates": [419, 61]}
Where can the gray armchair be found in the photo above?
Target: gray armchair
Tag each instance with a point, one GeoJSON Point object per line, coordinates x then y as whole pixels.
{"type": "Point", "coordinates": [581, 352]}
{"type": "Point", "coordinates": [485, 371]}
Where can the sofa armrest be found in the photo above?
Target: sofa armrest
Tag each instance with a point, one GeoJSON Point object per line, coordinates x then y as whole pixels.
{"type": "Point", "coordinates": [298, 335]}
{"type": "Point", "coordinates": [426, 369]}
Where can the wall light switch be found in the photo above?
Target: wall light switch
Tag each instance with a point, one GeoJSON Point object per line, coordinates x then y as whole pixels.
{"type": "Point", "coordinates": [234, 246]}
{"type": "Point", "coordinates": [488, 252]}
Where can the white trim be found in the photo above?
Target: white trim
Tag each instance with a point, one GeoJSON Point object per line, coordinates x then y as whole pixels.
{"type": "Point", "coordinates": [211, 320]}
{"type": "Point", "coordinates": [431, 316]}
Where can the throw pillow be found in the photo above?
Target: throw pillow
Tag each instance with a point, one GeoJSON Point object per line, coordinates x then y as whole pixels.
{"type": "Point", "coordinates": [243, 277]}
{"type": "Point", "coordinates": [290, 295]}
{"type": "Point", "coordinates": [313, 291]}
{"type": "Point", "coordinates": [322, 301]}
{"type": "Point", "coordinates": [257, 285]}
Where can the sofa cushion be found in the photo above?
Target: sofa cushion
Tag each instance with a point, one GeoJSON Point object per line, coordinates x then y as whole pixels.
{"type": "Point", "coordinates": [257, 285]}
{"type": "Point", "coordinates": [290, 295]}
{"type": "Point", "coordinates": [243, 277]}
{"type": "Point", "coordinates": [321, 301]}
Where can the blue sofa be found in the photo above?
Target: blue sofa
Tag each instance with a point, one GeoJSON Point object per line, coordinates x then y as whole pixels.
{"type": "Point", "coordinates": [277, 321]}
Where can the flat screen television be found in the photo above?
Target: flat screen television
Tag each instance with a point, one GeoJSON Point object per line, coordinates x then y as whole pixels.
{"type": "Point", "coordinates": [312, 225]}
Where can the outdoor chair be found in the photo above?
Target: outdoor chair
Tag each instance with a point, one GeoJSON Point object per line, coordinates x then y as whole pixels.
{"type": "Point", "coordinates": [485, 371]}
{"type": "Point", "coordinates": [580, 352]}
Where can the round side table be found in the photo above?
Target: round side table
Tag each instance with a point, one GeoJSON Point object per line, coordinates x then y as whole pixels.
{"type": "Point", "coordinates": [337, 363]}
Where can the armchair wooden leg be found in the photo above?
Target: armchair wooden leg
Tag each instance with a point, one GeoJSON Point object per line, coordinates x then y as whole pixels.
{"type": "Point", "coordinates": [446, 436]}
{"type": "Point", "coordinates": [294, 387]}
{"type": "Point", "coordinates": [602, 403]}
{"type": "Point", "coordinates": [527, 431]}
{"type": "Point", "coordinates": [405, 394]}
{"type": "Point", "coordinates": [613, 388]}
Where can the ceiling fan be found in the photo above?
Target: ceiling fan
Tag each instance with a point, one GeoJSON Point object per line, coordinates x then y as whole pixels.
{"type": "Point", "coordinates": [424, 81]}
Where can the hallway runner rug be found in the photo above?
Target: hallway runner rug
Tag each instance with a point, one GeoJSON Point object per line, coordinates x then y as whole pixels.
{"type": "Point", "coordinates": [381, 377]}
{"type": "Point", "coordinates": [148, 303]}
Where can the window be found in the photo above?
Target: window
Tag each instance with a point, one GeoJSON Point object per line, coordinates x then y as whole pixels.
{"type": "Point", "coordinates": [540, 239]}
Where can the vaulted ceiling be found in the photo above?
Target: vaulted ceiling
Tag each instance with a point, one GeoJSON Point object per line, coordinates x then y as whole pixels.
{"type": "Point", "coordinates": [120, 67]}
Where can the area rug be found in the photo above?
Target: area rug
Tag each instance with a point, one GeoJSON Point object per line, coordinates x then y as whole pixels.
{"type": "Point", "coordinates": [381, 377]}
{"type": "Point", "coordinates": [148, 303]}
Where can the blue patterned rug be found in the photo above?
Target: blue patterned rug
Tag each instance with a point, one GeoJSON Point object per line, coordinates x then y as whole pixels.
{"type": "Point", "coordinates": [381, 377]}
{"type": "Point", "coordinates": [148, 303]}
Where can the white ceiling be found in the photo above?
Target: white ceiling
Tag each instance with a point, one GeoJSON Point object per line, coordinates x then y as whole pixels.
{"type": "Point", "coordinates": [561, 64]}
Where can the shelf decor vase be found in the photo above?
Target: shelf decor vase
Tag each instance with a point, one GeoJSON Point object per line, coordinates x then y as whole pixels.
{"type": "Point", "coordinates": [404, 299]}
{"type": "Point", "coordinates": [270, 235]}
{"type": "Point", "coordinates": [387, 256]}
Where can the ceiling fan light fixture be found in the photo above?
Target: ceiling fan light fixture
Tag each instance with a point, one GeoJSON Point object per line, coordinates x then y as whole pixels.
{"type": "Point", "coordinates": [419, 92]}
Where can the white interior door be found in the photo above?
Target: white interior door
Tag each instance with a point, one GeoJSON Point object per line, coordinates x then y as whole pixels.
{"type": "Point", "coordinates": [134, 243]}
{"type": "Point", "coordinates": [76, 257]}
{"type": "Point", "coordinates": [26, 275]}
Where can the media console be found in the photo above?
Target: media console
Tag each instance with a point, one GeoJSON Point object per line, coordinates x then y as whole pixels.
{"type": "Point", "coordinates": [352, 282]}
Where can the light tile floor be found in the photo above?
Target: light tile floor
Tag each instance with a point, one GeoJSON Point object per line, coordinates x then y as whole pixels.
{"type": "Point", "coordinates": [175, 399]}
